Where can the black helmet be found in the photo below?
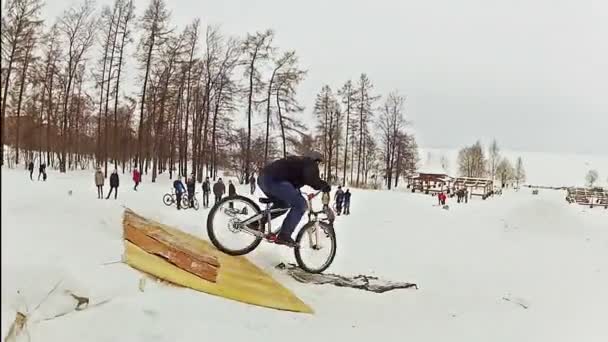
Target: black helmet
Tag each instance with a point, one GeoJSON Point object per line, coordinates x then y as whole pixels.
{"type": "Point", "coordinates": [314, 155]}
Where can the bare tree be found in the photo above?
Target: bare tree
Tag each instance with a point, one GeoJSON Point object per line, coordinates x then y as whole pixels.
{"type": "Point", "coordinates": [279, 64]}
{"type": "Point", "coordinates": [520, 173]}
{"type": "Point", "coordinates": [407, 156]}
{"type": "Point", "coordinates": [326, 109]}
{"type": "Point", "coordinates": [591, 177]}
{"type": "Point", "coordinates": [347, 94]}
{"type": "Point", "coordinates": [287, 103]}
{"type": "Point", "coordinates": [256, 49]}
{"type": "Point", "coordinates": [471, 161]}
{"type": "Point", "coordinates": [78, 27]}
{"type": "Point", "coordinates": [20, 19]}
{"type": "Point", "coordinates": [505, 171]}
{"type": "Point", "coordinates": [445, 163]}
{"type": "Point", "coordinates": [154, 25]}
{"type": "Point", "coordinates": [364, 102]}
{"type": "Point", "coordinates": [23, 64]}
{"type": "Point", "coordinates": [391, 123]}
{"type": "Point", "coordinates": [493, 158]}
{"type": "Point", "coordinates": [124, 28]}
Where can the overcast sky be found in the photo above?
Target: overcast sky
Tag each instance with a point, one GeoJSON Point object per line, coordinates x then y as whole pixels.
{"type": "Point", "coordinates": [532, 73]}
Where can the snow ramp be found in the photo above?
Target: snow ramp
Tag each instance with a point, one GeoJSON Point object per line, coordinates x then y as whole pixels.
{"type": "Point", "coordinates": [185, 260]}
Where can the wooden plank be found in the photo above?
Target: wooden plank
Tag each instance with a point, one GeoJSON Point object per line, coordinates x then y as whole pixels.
{"type": "Point", "coordinates": [175, 256]}
{"type": "Point", "coordinates": [174, 243]}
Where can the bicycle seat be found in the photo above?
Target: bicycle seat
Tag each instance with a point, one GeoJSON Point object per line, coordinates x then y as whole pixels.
{"type": "Point", "coordinates": [264, 200]}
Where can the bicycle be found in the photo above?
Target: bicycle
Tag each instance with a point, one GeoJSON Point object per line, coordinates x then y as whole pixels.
{"type": "Point", "coordinates": [194, 200]}
{"type": "Point", "coordinates": [171, 198]}
{"type": "Point", "coordinates": [315, 229]}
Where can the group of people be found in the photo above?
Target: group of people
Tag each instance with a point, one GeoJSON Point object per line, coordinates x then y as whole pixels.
{"type": "Point", "coordinates": [219, 189]}
{"type": "Point", "coordinates": [342, 201]}
{"type": "Point", "coordinates": [114, 182]}
{"type": "Point", "coordinates": [41, 170]}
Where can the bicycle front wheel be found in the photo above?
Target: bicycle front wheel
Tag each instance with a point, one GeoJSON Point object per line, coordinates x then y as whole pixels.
{"type": "Point", "coordinates": [167, 199]}
{"type": "Point", "coordinates": [196, 206]}
{"type": "Point", "coordinates": [316, 247]}
{"type": "Point", "coordinates": [225, 229]}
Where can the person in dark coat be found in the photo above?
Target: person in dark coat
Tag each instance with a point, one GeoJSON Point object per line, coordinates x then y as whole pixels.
{"type": "Point", "coordinates": [219, 189]}
{"type": "Point", "coordinates": [231, 192]}
{"type": "Point", "coordinates": [42, 171]}
{"type": "Point", "coordinates": [281, 181]}
{"type": "Point", "coordinates": [252, 184]}
{"type": "Point", "coordinates": [113, 184]}
{"type": "Point", "coordinates": [339, 196]}
{"type": "Point", "coordinates": [191, 185]}
{"type": "Point", "coordinates": [347, 202]}
{"type": "Point", "coordinates": [30, 167]}
{"type": "Point", "coordinates": [179, 191]}
{"type": "Point", "coordinates": [206, 191]}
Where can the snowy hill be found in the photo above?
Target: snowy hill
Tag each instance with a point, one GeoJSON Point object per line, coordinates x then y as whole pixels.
{"type": "Point", "coordinates": [512, 268]}
{"type": "Point", "coordinates": [542, 168]}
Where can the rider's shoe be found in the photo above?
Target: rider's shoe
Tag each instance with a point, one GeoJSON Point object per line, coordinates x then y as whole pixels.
{"type": "Point", "coordinates": [286, 241]}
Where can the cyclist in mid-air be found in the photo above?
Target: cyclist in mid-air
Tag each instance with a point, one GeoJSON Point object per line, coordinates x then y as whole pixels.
{"type": "Point", "coordinates": [281, 181]}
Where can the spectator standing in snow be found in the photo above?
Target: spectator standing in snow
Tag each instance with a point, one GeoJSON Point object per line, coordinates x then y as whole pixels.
{"type": "Point", "coordinates": [206, 191]}
{"type": "Point", "coordinates": [30, 167]}
{"type": "Point", "coordinates": [179, 191]}
{"type": "Point", "coordinates": [252, 184]}
{"type": "Point", "coordinates": [219, 189]}
{"type": "Point", "coordinates": [136, 178]}
{"type": "Point", "coordinates": [442, 198]}
{"type": "Point", "coordinates": [347, 202]}
{"type": "Point", "coordinates": [339, 199]}
{"type": "Point", "coordinates": [325, 200]}
{"type": "Point", "coordinates": [113, 184]}
{"type": "Point", "coordinates": [191, 185]}
{"type": "Point", "coordinates": [99, 180]}
{"type": "Point", "coordinates": [231, 192]}
{"type": "Point", "coordinates": [42, 171]}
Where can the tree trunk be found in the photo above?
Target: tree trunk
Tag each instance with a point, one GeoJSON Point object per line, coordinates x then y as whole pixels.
{"type": "Point", "coordinates": [143, 100]}
{"type": "Point", "coordinates": [19, 101]}
{"type": "Point", "coordinates": [9, 70]}
{"type": "Point", "coordinates": [281, 123]}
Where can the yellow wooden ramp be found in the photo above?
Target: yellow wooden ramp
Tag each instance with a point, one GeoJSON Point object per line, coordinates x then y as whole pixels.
{"type": "Point", "coordinates": [237, 279]}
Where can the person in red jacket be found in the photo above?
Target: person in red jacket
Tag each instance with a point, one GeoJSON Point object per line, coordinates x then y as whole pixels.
{"type": "Point", "coordinates": [136, 178]}
{"type": "Point", "coordinates": [442, 198]}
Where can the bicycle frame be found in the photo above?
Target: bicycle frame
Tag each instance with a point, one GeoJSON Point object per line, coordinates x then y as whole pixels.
{"type": "Point", "coordinates": [267, 213]}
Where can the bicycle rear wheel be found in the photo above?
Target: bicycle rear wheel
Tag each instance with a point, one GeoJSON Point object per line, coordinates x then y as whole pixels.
{"type": "Point", "coordinates": [225, 229]}
{"type": "Point", "coordinates": [316, 247]}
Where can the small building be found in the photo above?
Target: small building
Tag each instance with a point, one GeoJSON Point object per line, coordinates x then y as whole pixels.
{"type": "Point", "coordinates": [482, 187]}
{"type": "Point", "coordinates": [588, 196]}
{"type": "Point", "coordinates": [429, 182]}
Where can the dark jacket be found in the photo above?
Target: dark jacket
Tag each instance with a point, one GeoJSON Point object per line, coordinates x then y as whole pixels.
{"type": "Point", "coordinates": [347, 197]}
{"type": "Point", "coordinates": [191, 184]}
{"type": "Point", "coordinates": [178, 186]}
{"type": "Point", "coordinates": [219, 188]}
{"type": "Point", "coordinates": [206, 186]}
{"type": "Point", "coordinates": [231, 190]}
{"type": "Point", "coordinates": [114, 180]}
{"type": "Point", "coordinates": [30, 166]}
{"type": "Point", "coordinates": [299, 171]}
{"type": "Point", "coordinates": [339, 196]}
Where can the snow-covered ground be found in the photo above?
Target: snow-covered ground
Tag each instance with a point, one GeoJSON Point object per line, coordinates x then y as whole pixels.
{"type": "Point", "coordinates": [512, 268]}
